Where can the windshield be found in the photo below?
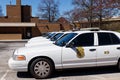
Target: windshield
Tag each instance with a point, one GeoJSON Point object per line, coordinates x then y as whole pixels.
{"type": "Point", "coordinates": [56, 37]}
{"type": "Point", "coordinates": [62, 36]}
{"type": "Point", "coordinates": [50, 35]}
{"type": "Point", "coordinates": [45, 34]}
{"type": "Point", "coordinates": [65, 39]}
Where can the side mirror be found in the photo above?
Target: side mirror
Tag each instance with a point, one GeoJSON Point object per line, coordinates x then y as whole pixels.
{"type": "Point", "coordinates": [52, 39]}
{"type": "Point", "coordinates": [71, 45]}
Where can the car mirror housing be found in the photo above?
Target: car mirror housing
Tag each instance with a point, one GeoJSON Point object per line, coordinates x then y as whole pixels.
{"type": "Point", "coordinates": [52, 39]}
{"type": "Point", "coordinates": [71, 45]}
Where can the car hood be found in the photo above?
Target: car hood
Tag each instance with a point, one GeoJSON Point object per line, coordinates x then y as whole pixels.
{"type": "Point", "coordinates": [39, 37]}
{"type": "Point", "coordinates": [36, 49]}
{"type": "Point", "coordinates": [39, 44]}
{"type": "Point", "coordinates": [38, 40]}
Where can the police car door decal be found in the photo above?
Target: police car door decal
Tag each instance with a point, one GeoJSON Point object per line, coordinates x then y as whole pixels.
{"type": "Point", "coordinates": [80, 52]}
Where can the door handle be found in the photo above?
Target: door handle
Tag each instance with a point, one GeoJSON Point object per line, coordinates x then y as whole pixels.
{"type": "Point", "coordinates": [118, 48]}
{"type": "Point", "coordinates": [92, 49]}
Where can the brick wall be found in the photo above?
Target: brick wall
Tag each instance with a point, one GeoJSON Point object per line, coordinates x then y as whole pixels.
{"type": "Point", "coordinates": [35, 32]}
{"type": "Point", "coordinates": [26, 13]}
{"type": "Point", "coordinates": [14, 12]}
{"type": "Point", "coordinates": [48, 27]}
{"type": "Point", "coordinates": [67, 27]}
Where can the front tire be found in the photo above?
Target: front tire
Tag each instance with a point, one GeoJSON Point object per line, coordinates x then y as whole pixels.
{"type": "Point", "coordinates": [41, 68]}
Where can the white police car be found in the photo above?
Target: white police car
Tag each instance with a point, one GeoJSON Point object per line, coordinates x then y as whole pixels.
{"type": "Point", "coordinates": [49, 42]}
{"type": "Point", "coordinates": [42, 39]}
{"type": "Point", "coordinates": [75, 50]}
{"type": "Point", "coordinates": [42, 42]}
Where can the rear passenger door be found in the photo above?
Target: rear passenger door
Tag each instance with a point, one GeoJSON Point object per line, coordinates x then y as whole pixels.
{"type": "Point", "coordinates": [108, 49]}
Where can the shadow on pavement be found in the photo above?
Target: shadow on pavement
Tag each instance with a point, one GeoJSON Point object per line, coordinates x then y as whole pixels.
{"type": "Point", "coordinates": [88, 71]}
{"type": "Point", "coordinates": [76, 72]}
{"type": "Point", "coordinates": [24, 75]}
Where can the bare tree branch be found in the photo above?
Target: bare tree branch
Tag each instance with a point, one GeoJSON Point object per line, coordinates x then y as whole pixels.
{"type": "Point", "coordinates": [1, 14]}
{"type": "Point", "coordinates": [95, 9]}
{"type": "Point", "coordinates": [48, 9]}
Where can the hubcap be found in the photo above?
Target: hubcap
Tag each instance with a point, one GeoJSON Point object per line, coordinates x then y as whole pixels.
{"type": "Point", "coordinates": [42, 68]}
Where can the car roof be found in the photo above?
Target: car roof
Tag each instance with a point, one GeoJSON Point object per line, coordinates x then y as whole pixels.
{"type": "Point", "coordinates": [87, 30]}
{"type": "Point", "coordinates": [80, 32]}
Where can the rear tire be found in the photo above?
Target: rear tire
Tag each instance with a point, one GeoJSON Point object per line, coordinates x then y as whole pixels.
{"type": "Point", "coordinates": [41, 68]}
{"type": "Point", "coordinates": [119, 65]}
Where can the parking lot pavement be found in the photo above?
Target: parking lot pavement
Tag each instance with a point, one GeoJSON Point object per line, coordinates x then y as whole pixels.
{"type": "Point", "coordinates": [6, 51]}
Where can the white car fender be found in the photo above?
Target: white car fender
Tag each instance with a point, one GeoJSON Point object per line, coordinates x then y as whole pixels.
{"type": "Point", "coordinates": [52, 52]}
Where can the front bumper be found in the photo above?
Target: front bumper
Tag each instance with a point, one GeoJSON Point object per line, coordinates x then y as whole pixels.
{"type": "Point", "coordinates": [18, 65]}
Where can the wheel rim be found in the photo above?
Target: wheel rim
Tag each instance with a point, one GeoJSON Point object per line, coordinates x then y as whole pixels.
{"type": "Point", "coordinates": [42, 68]}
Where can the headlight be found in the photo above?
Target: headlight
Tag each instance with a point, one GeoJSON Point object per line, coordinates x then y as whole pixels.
{"type": "Point", "coordinates": [19, 57]}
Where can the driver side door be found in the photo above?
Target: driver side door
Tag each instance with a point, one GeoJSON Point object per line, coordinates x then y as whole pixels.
{"type": "Point", "coordinates": [82, 53]}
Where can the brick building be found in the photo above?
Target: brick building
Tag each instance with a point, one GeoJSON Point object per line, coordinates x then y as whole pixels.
{"type": "Point", "coordinates": [19, 23]}
{"type": "Point", "coordinates": [107, 24]}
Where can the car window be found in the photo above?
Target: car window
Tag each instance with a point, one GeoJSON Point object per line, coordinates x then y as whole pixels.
{"type": "Point", "coordinates": [65, 39]}
{"type": "Point", "coordinates": [50, 35]}
{"type": "Point", "coordinates": [54, 35]}
{"type": "Point", "coordinates": [115, 39]}
{"type": "Point", "coordinates": [61, 36]}
{"type": "Point", "coordinates": [54, 38]}
{"type": "Point", "coordinates": [108, 39]}
{"type": "Point", "coordinates": [86, 39]}
{"type": "Point", "coordinates": [104, 39]}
